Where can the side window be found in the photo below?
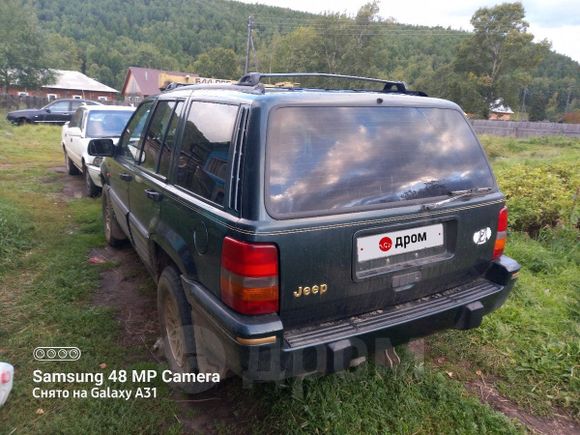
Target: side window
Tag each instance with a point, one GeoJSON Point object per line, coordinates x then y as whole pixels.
{"type": "Point", "coordinates": [169, 142]}
{"type": "Point", "coordinates": [155, 134]}
{"type": "Point", "coordinates": [131, 137]}
{"type": "Point", "coordinates": [75, 104]}
{"type": "Point", "coordinates": [204, 156]}
{"type": "Point", "coordinates": [59, 106]}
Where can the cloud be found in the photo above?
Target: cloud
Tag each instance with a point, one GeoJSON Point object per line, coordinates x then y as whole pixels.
{"type": "Point", "coordinates": [553, 14]}
{"type": "Point", "coordinates": [564, 39]}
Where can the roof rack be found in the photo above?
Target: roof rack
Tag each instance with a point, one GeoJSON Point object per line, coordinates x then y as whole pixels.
{"type": "Point", "coordinates": [254, 79]}
{"type": "Point", "coordinates": [213, 86]}
{"type": "Point", "coordinates": [173, 85]}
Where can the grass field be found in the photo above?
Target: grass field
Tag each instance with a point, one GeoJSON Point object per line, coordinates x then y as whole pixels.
{"type": "Point", "coordinates": [45, 289]}
{"type": "Point", "coordinates": [528, 350]}
{"type": "Point", "coordinates": [531, 347]}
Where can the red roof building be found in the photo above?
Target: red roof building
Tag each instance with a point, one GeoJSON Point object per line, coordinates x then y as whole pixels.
{"type": "Point", "coordinates": [143, 82]}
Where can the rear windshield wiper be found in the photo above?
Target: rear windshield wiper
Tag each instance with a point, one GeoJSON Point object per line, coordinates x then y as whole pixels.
{"type": "Point", "coordinates": [455, 195]}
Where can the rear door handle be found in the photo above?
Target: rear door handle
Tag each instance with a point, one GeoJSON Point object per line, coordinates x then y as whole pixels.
{"type": "Point", "coordinates": [153, 195]}
{"type": "Point", "coordinates": [126, 177]}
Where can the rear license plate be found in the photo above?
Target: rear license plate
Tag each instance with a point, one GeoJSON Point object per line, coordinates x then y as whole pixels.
{"type": "Point", "coordinates": [398, 242]}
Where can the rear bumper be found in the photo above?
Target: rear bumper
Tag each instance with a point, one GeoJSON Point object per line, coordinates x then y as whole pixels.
{"type": "Point", "coordinates": [258, 347]}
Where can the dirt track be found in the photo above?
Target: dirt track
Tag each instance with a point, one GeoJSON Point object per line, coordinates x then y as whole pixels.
{"type": "Point", "coordinates": [128, 289]}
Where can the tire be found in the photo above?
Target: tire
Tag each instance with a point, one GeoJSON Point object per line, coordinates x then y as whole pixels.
{"type": "Point", "coordinates": [19, 121]}
{"type": "Point", "coordinates": [91, 189]}
{"type": "Point", "coordinates": [114, 234]}
{"type": "Point", "coordinates": [71, 169]}
{"type": "Point", "coordinates": [177, 330]}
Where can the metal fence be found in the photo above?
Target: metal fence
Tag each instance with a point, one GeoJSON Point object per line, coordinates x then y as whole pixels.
{"type": "Point", "coordinates": [524, 128]}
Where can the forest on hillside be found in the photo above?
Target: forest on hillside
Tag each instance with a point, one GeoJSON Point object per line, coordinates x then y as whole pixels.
{"type": "Point", "coordinates": [208, 37]}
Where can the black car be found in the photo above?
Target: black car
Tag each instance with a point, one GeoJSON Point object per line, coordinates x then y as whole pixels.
{"type": "Point", "coordinates": [56, 112]}
{"type": "Point", "coordinates": [294, 231]}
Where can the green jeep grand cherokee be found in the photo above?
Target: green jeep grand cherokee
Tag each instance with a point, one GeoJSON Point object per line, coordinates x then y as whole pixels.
{"type": "Point", "coordinates": [295, 230]}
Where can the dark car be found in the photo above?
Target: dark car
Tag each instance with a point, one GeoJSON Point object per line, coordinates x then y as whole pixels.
{"type": "Point", "coordinates": [56, 112]}
{"type": "Point", "coordinates": [293, 231]}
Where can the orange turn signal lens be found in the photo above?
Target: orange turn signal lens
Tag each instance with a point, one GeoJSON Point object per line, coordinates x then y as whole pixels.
{"type": "Point", "coordinates": [501, 237]}
{"type": "Point", "coordinates": [249, 277]}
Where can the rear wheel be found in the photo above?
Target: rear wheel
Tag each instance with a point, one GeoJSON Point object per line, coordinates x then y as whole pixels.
{"type": "Point", "coordinates": [113, 232]}
{"type": "Point", "coordinates": [177, 329]}
{"type": "Point", "coordinates": [91, 189]}
{"type": "Point", "coordinates": [71, 169]}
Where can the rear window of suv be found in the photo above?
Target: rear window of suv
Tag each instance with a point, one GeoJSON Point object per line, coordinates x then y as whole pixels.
{"type": "Point", "coordinates": [334, 159]}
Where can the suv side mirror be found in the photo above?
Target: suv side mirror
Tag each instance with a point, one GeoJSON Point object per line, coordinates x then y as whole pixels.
{"type": "Point", "coordinates": [47, 110]}
{"type": "Point", "coordinates": [101, 148]}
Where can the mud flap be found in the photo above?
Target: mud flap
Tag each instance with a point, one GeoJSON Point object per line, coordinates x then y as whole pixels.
{"type": "Point", "coordinates": [343, 354]}
{"type": "Point", "coordinates": [470, 316]}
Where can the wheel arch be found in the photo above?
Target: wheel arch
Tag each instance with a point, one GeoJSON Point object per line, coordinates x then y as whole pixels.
{"type": "Point", "coordinates": [163, 255]}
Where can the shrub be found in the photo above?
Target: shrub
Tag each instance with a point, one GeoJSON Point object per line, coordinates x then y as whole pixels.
{"type": "Point", "coordinates": [540, 196]}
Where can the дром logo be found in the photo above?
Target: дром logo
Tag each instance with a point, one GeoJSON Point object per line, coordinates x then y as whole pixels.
{"type": "Point", "coordinates": [385, 244]}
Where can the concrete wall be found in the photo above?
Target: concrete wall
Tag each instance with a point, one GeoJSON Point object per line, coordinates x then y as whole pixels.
{"type": "Point", "coordinates": [525, 129]}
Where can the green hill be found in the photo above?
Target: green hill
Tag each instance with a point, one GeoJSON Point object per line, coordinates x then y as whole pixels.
{"type": "Point", "coordinates": [102, 38]}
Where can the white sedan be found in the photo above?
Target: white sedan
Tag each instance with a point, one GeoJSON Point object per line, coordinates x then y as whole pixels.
{"type": "Point", "coordinates": [91, 122]}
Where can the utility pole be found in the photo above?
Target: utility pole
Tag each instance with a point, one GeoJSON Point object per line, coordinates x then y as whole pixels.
{"type": "Point", "coordinates": [523, 107]}
{"type": "Point", "coordinates": [249, 42]}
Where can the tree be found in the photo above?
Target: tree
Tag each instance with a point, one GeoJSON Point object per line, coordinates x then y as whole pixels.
{"type": "Point", "coordinates": [334, 43]}
{"type": "Point", "coordinates": [62, 52]}
{"type": "Point", "coordinates": [299, 51]}
{"type": "Point", "coordinates": [444, 82]}
{"type": "Point", "coordinates": [537, 95]}
{"type": "Point", "coordinates": [22, 59]}
{"type": "Point", "coordinates": [499, 52]}
{"type": "Point", "coordinates": [111, 35]}
{"type": "Point", "coordinates": [219, 63]}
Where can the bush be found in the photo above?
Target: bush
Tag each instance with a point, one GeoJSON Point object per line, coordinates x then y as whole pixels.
{"type": "Point", "coordinates": [539, 197]}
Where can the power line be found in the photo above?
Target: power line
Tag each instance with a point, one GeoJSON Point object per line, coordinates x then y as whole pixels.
{"type": "Point", "coordinates": [345, 21]}
{"type": "Point", "coordinates": [345, 30]}
{"type": "Point", "coordinates": [375, 33]}
{"type": "Point", "coordinates": [364, 26]}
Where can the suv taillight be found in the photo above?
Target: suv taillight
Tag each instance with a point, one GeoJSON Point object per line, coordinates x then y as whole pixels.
{"type": "Point", "coordinates": [500, 239]}
{"type": "Point", "coordinates": [249, 276]}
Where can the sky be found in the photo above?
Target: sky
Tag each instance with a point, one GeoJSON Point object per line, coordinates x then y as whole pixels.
{"type": "Point", "coordinates": [556, 20]}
